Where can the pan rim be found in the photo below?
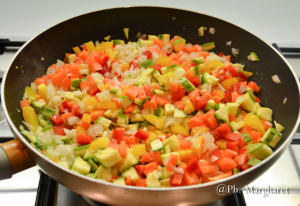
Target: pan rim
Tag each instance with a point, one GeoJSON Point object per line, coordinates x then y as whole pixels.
{"type": "Point", "coordinates": [25, 141]}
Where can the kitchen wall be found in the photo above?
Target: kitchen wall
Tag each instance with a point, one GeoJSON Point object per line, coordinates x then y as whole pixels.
{"type": "Point", "coordinates": [274, 21]}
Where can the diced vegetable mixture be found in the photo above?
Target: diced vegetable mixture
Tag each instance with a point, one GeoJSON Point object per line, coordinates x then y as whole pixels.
{"type": "Point", "coordinates": [152, 113]}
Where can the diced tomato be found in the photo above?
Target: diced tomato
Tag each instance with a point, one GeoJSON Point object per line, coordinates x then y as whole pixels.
{"type": "Point", "coordinates": [59, 130]}
{"type": "Point", "coordinates": [148, 54]}
{"type": "Point", "coordinates": [56, 120]}
{"type": "Point", "coordinates": [235, 87]}
{"type": "Point", "coordinates": [94, 90]}
{"type": "Point", "coordinates": [227, 97]}
{"type": "Point", "coordinates": [84, 139]}
{"type": "Point", "coordinates": [157, 67]}
{"type": "Point", "coordinates": [103, 60]}
{"type": "Point", "coordinates": [232, 146]}
{"type": "Point", "coordinates": [178, 95]}
{"type": "Point", "coordinates": [232, 137]}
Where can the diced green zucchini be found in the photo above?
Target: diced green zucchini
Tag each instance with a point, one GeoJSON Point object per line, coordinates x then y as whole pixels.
{"type": "Point", "coordinates": [75, 84]}
{"type": "Point", "coordinates": [113, 90]}
{"type": "Point", "coordinates": [133, 127]}
{"type": "Point", "coordinates": [126, 32]}
{"type": "Point", "coordinates": [103, 121]}
{"type": "Point", "coordinates": [253, 56]}
{"type": "Point", "coordinates": [232, 108]}
{"type": "Point", "coordinates": [81, 166]}
{"type": "Point", "coordinates": [156, 74]}
{"type": "Point", "coordinates": [165, 38]}
{"type": "Point", "coordinates": [71, 58]}
{"type": "Point", "coordinates": [278, 127]}
{"type": "Point", "coordinates": [152, 37]}
{"type": "Point", "coordinates": [129, 161]}
{"type": "Point", "coordinates": [222, 115]}
{"type": "Point", "coordinates": [156, 145]}
{"type": "Point", "coordinates": [138, 102]}
{"type": "Point", "coordinates": [260, 150]}
{"type": "Point", "coordinates": [264, 113]}
{"type": "Point", "coordinates": [104, 173]}
{"type": "Point", "coordinates": [80, 151]}
{"type": "Point", "coordinates": [186, 84]}
{"type": "Point", "coordinates": [145, 43]}
{"type": "Point", "coordinates": [177, 43]}
{"type": "Point", "coordinates": [275, 140]}
{"type": "Point", "coordinates": [94, 167]}
{"type": "Point", "coordinates": [164, 70]}
{"type": "Point", "coordinates": [158, 92]}
{"type": "Point", "coordinates": [198, 60]}
{"type": "Point", "coordinates": [253, 161]}
{"type": "Point", "coordinates": [108, 157]}
{"type": "Point", "coordinates": [38, 104]}
{"type": "Point", "coordinates": [235, 171]}
{"type": "Point", "coordinates": [47, 128]}
{"type": "Point", "coordinates": [66, 140]}
{"type": "Point", "coordinates": [179, 113]}
{"type": "Point", "coordinates": [159, 112]}
{"type": "Point", "coordinates": [123, 119]}
{"type": "Point", "coordinates": [208, 46]}
{"type": "Point", "coordinates": [212, 105]}
{"type": "Point", "coordinates": [117, 41]}
{"type": "Point", "coordinates": [125, 101]}
{"type": "Point", "coordinates": [249, 101]}
{"type": "Point", "coordinates": [201, 31]}
{"type": "Point", "coordinates": [153, 179]}
{"type": "Point", "coordinates": [30, 136]}
{"type": "Point", "coordinates": [145, 124]}
{"type": "Point", "coordinates": [47, 112]}
{"type": "Point", "coordinates": [147, 63]}
{"type": "Point", "coordinates": [134, 175]}
{"type": "Point", "coordinates": [246, 137]}
{"type": "Point", "coordinates": [92, 175]}
{"type": "Point", "coordinates": [147, 71]}
{"type": "Point", "coordinates": [164, 156]}
{"type": "Point", "coordinates": [119, 181]}
{"type": "Point", "coordinates": [173, 142]}
{"type": "Point", "coordinates": [169, 109]}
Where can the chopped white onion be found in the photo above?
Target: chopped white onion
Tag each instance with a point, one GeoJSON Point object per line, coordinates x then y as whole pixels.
{"type": "Point", "coordinates": [73, 120]}
{"type": "Point", "coordinates": [235, 52]}
{"type": "Point", "coordinates": [178, 170]}
{"type": "Point", "coordinates": [276, 79]}
{"type": "Point", "coordinates": [284, 100]}
{"type": "Point", "coordinates": [212, 30]}
{"type": "Point", "coordinates": [228, 43]}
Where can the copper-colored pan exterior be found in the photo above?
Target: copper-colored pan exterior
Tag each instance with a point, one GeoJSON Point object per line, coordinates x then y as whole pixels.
{"type": "Point", "coordinates": [53, 43]}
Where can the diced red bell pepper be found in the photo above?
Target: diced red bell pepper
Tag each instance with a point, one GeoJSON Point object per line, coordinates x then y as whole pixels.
{"type": "Point", "coordinates": [235, 87]}
{"type": "Point", "coordinates": [217, 134]}
{"type": "Point", "coordinates": [140, 169]}
{"type": "Point", "coordinates": [103, 60]}
{"type": "Point", "coordinates": [225, 128]}
{"type": "Point", "coordinates": [59, 130]}
{"type": "Point", "coordinates": [84, 139]}
{"type": "Point", "coordinates": [227, 97]}
{"type": "Point", "coordinates": [243, 77]}
{"type": "Point", "coordinates": [142, 134]}
{"type": "Point", "coordinates": [75, 110]}
{"type": "Point", "coordinates": [56, 120]}
{"type": "Point", "coordinates": [94, 90]}
{"type": "Point", "coordinates": [192, 166]}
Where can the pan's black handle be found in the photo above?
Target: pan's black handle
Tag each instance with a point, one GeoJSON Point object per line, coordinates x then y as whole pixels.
{"type": "Point", "coordinates": [236, 199]}
{"type": "Point", "coordinates": [6, 42]}
{"type": "Point", "coordinates": [46, 191]}
{"type": "Point", "coordinates": [276, 47]}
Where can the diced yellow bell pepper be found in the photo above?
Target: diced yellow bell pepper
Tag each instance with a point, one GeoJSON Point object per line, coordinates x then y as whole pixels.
{"type": "Point", "coordinates": [247, 74]}
{"type": "Point", "coordinates": [105, 86]}
{"type": "Point", "coordinates": [31, 93]}
{"type": "Point", "coordinates": [164, 61]}
{"type": "Point", "coordinates": [227, 83]}
{"type": "Point", "coordinates": [30, 117]}
{"type": "Point", "coordinates": [87, 118]}
{"type": "Point", "coordinates": [80, 130]}
{"type": "Point", "coordinates": [221, 94]}
{"type": "Point", "coordinates": [186, 154]}
{"type": "Point", "coordinates": [104, 45]}
{"type": "Point", "coordinates": [106, 105]}
{"type": "Point", "coordinates": [89, 101]}
{"type": "Point", "coordinates": [138, 150]}
{"type": "Point", "coordinates": [42, 89]}
{"type": "Point", "coordinates": [165, 80]}
{"type": "Point", "coordinates": [99, 143]}
{"type": "Point", "coordinates": [157, 122]}
{"type": "Point", "coordinates": [188, 105]}
{"type": "Point", "coordinates": [151, 128]}
{"type": "Point", "coordinates": [197, 146]}
{"type": "Point", "coordinates": [214, 64]}
{"type": "Point", "coordinates": [222, 144]}
{"type": "Point", "coordinates": [77, 50]}
{"type": "Point", "coordinates": [90, 46]}
{"type": "Point", "coordinates": [199, 130]}
{"type": "Point", "coordinates": [109, 52]}
{"type": "Point", "coordinates": [125, 67]}
{"type": "Point", "coordinates": [178, 129]}
{"type": "Point", "coordinates": [253, 121]}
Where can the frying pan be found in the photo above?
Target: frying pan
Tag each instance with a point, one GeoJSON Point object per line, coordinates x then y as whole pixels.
{"type": "Point", "coordinates": [53, 43]}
